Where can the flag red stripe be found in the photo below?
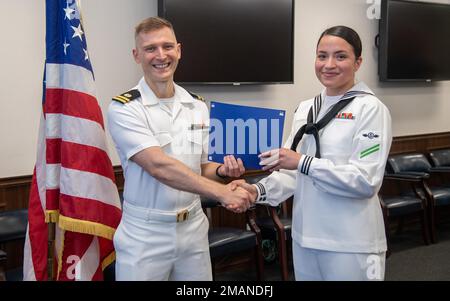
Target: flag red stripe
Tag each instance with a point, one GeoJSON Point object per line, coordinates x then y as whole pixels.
{"type": "Point", "coordinates": [106, 248]}
{"type": "Point", "coordinates": [53, 151]}
{"type": "Point", "coordinates": [68, 154]}
{"type": "Point", "coordinates": [90, 210]}
{"type": "Point", "coordinates": [98, 276]}
{"type": "Point", "coordinates": [75, 246]}
{"type": "Point", "coordinates": [37, 232]}
{"type": "Point", "coordinates": [52, 199]}
{"type": "Point", "coordinates": [86, 158]}
{"type": "Point", "coordinates": [73, 103]}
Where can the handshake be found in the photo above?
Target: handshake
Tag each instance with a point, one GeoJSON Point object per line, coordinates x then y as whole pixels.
{"type": "Point", "coordinates": [239, 196]}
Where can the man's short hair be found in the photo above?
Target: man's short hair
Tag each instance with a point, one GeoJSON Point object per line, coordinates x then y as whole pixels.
{"type": "Point", "coordinates": [150, 24]}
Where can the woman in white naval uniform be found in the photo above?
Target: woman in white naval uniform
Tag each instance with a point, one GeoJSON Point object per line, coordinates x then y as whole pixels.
{"type": "Point", "coordinates": [334, 172]}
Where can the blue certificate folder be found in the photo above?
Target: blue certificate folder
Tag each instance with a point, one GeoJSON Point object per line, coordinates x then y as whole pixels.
{"type": "Point", "coordinates": [244, 132]}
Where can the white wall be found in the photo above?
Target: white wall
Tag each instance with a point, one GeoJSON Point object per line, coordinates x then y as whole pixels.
{"type": "Point", "coordinates": [109, 25]}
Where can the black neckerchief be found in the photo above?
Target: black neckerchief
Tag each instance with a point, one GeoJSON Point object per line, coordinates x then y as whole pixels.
{"type": "Point", "coordinates": [311, 128]}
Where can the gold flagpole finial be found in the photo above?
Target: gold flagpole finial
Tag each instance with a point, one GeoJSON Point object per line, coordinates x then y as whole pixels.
{"type": "Point", "coordinates": [78, 2]}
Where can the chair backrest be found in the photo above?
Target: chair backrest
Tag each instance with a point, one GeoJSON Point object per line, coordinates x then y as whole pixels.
{"type": "Point", "coordinates": [440, 157]}
{"type": "Point", "coordinates": [2, 266]}
{"type": "Point", "coordinates": [255, 178]}
{"type": "Point", "coordinates": [13, 225]}
{"type": "Point", "coordinates": [227, 240]}
{"type": "Point", "coordinates": [413, 162]}
{"type": "Point", "coordinates": [209, 203]}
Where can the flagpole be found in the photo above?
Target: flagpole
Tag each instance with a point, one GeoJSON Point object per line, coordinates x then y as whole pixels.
{"type": "Point", "coordinates": [78, 2]}
{"type": "Point", "coordinates": [51, 251]}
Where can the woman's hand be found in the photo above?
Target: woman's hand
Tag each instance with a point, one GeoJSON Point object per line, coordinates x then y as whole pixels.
{"type": "Point", "coordinates": [231, 167]}
{"type": "Point", "coordinates": [281, 158]}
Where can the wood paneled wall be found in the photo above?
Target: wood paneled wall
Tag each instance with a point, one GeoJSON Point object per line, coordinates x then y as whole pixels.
{"type": "Point", "coordinates": [14, 191]}
{"type": "Point", "coordinates": [420, 143]}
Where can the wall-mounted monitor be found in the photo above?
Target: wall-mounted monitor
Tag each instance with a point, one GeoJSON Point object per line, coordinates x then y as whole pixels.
{"type": "Point", "coordinates": [414, 41]}
{"type": "Point", "coordinates": [233, 41]}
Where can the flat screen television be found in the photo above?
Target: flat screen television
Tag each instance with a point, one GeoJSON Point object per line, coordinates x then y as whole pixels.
{"type": "Point", "coordinates": [233, 41]}
{"type": "Point", "coordinates": [414, 41]}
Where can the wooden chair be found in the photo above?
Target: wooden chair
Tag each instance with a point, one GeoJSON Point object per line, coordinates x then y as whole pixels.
{"type": "Point", "coordinates": [416, 164]}
{"type": "Point", "coordinates": [2, 266]}
{"type": "Point", "coordinates": [440, 158]}
{"type": "Point", "coordinates": [275, 223]}
{"type": "Point", "coordinates": [404, 200]}
{"type": "Point", "coordinates": [13, 226]}
{"type": "Point", "coordinates": [224, 241]}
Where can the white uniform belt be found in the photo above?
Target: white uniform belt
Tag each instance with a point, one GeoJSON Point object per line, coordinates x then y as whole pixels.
{"type": "Point", "coordinates": [160, 215]}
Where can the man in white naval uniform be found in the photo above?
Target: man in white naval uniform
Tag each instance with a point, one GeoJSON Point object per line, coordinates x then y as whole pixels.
{"type": "Point", "coordinates": [161, 135]}
{"type": "Point", "coordinates": [338, 230]}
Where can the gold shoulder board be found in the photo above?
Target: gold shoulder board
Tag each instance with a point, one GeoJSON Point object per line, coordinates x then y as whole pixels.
{"type": "Point", "coordinates": [127, 96]}
{"type": "Point", "coordinates": [197, 96]}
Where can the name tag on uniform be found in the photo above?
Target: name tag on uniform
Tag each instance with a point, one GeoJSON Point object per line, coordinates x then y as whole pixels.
{"type": "Point", "coordinates": [198, 127]}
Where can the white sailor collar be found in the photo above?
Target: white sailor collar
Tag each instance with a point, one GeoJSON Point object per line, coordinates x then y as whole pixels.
{"type": "Point", "coordinates": [149, 98]}
{"type": "Point", "coordinates": [358, 87]}
{"type": "Point", "coordinates": [361, 86]}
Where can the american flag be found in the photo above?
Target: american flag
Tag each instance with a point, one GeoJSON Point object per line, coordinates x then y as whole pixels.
{"type": "Point", "coordinates": [73, 181]}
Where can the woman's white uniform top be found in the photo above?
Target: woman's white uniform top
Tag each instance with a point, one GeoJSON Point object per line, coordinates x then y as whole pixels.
{"type": "Point", "coordinates": [182, 133]}
{"type": "Point", "coordinates": [336, 205]}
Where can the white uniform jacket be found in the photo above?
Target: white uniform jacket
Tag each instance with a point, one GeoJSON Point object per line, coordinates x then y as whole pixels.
{"type": "Point", "coordinates": [336, 206]}
{"type": "Point", "coordinates": [181, 134]}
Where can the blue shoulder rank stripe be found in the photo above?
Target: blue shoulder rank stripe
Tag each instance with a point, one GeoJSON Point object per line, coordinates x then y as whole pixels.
{"type": "Point", "coordinates": [127, 96]}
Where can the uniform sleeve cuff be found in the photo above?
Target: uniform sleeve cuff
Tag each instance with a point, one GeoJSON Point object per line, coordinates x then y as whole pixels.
{"type": "Point", "coordinates": [261, 192]}
{"type": "Point", "coordinates": [305, 164]}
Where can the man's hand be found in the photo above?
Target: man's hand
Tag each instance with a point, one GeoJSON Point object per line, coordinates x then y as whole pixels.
{"type": "Point", "coordinates": [281, 158]}
{"type": "Point", "coordinates": [236, 199]}
{"type": "Point", "coordinates": [231, 167]}
{"type": "Point", "coordinates": [249, 187]}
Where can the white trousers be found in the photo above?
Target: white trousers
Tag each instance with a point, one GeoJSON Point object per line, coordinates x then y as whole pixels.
{"type": "Point", "coordinates": [317, 265]}
{"type": "Point", "coordinates": [151, 249]}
